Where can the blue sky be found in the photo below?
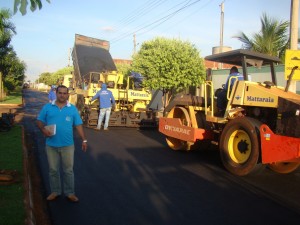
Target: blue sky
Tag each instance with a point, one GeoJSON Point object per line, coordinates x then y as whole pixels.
{"type": "Point", "coordinates": [44, 37]}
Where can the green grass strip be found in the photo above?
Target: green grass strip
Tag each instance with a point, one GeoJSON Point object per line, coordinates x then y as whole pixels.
{"type": "Point", "coordinates": [13, 98]}
{"type": "Point", "coordinates": [12, 209]}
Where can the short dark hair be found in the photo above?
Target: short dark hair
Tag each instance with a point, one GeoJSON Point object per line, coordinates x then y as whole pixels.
{"type": "Point", "coordinates": [62, 86]}
{"type": "Point", "coordinates": [234, 69]}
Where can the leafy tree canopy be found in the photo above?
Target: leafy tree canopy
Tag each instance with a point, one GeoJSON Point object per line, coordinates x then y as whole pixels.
{"type": "Point", "coordinates": [54, 78]}
{"type": "Point", "coordinates": [272, 39]}
{"type": "Point", "coordinates": [7, 30]}
{"type": "Point", "coordinates": [169, 64]}
{"type": "Point", "coordinates": [45, 78]}
{"type": "Point", "coordinates": [59, 74]}
{"type": "Point", "coordinates": [14, 71]}
{"type": "Point", "coordinates": [123, 68]}
{"type": "Point", "coordinates": [5, 24]}
{"type": "Point", "coordinates": [21, 5]}
{"type": "Point", "coordinates": [11, 67]}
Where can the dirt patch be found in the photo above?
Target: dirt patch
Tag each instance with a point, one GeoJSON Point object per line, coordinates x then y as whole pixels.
{"type": "Point", "coordinates": [8, 177]}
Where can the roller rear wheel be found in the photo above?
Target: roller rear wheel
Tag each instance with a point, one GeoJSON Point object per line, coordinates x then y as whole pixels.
{"type": "Point", "coordinates": [240, 146]}
{"type": "Point", "coordinates": [284, 167]}
{"type": "Point", "coordinates": [183, 115]}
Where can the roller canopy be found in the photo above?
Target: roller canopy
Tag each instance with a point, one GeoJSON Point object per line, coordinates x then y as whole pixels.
{"type": "Point", "coordinates": [235, 57]}
{"type": "Point", "coordinates": [245, 58]}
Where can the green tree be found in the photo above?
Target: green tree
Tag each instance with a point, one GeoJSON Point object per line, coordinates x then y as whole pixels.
{"type": "Point", "coordinates": [14, 71]}
{"type": "Point", "coordinates": [21, 5]}
{"type": "Point", "coordinates": [169, 65]}
{"type": "Point", "coordinates": [272, 39]}
{"type": "Point", "coordinates": [45, 78]}
{"type": "Point", "coordinates": [7, 30]}
{"type": "Point", "coordinates": [5, 24]}
{"type": "Point", "coordinates": [54, 78]}
{"type": "Point", "coordinates": [123, 68]}
{"type": "Point", "coordinates": [12, 68]}
{"type": "Point", "coordinates": [57, 77]}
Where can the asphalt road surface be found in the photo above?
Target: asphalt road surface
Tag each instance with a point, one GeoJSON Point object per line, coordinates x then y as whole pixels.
{"type": "Point", "coordinates": [130, 177]}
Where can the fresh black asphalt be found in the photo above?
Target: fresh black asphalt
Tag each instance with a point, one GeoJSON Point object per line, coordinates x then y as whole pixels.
{"type": "Point", "coordinates": [130, 177]}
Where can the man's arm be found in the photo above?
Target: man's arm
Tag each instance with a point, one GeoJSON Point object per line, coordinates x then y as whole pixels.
{"type": "Point", "coordinates": [95, 97]}
{"type": "Point", "coordinates": [80, 131]}
{"type": "Point", "coordinates": [41, 126]}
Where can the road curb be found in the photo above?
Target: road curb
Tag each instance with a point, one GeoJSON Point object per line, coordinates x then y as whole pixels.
{"type": "Point", "coordinates": [28, 201]}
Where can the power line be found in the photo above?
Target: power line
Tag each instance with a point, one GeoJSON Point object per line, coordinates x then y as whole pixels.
{"type": "Point", "coordinates": [141, 27]}
{"type": "Point", "coordinates": [186, 17]}
{"type": "Point", "coordinates": [155, 23]}
{"type": "Point", "coordinates": [191, 14]}
{"type": "Point", "coordinates": [137, 13]}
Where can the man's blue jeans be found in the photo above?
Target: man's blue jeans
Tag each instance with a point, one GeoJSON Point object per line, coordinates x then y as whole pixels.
{"type": "Point", "coordinates": [65, 155]}
{"type": "Point", "coordinates": [104, 112]}
{"type": "Point", "coordinates": [222, 100]}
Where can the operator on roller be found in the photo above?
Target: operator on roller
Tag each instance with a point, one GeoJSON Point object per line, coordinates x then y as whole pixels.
{"type": "Point", "coordinates": [222, 94]}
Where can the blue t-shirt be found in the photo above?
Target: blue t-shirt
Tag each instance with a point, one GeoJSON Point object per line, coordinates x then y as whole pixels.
{"type": "Point", "coordinates": [64, 118]}
{"type": "Point", "coordinates": [105, 97]}
{"type": "Point", "coordinates": [237, 75]}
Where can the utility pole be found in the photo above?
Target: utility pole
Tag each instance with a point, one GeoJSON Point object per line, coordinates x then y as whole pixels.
{"type": "Point", "coordinates": [221, 31]}
{"type": "Point", "coordinates": [222, 26]}
{"type": "Point", "coordinates": [294, 33]}
{"type": "Point", "coordinates": [69, 57]}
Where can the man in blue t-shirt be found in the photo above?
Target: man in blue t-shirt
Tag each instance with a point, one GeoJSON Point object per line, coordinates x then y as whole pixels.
{"type": "Point", "coordinates": [234, 72]}
{"type": "Point", "coordinates": [106, 100]}
{"type": "Point", "coordinates": [222, 95]}
{"type": "Point", "coordinates": [56, 121]}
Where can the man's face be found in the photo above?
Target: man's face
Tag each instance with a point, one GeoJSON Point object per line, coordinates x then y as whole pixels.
{"type": "Point", "coordinates": [62, 94]}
